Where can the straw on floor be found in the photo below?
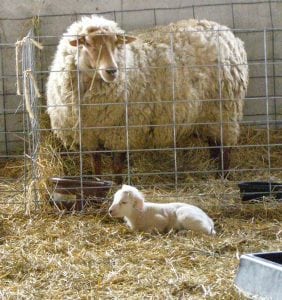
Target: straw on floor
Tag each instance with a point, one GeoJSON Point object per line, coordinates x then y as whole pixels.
{"type": "Point", "coordinates": [89, 256]}
{"type": "Point", "coordinates": [50, 255]}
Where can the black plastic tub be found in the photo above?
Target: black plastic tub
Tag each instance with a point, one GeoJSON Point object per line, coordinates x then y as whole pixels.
{"type": "Point", "coordinates": [260, 275]}
{"type": "Point", "coordinates": [256, 190]}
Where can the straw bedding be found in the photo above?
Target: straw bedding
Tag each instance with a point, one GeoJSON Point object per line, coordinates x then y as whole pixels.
{"type": "Point", "coordinates": [50, 255]}
{"type": "Point", "coordinates": [249, 160]}
{"type": "Point", "coordinates": [46, 254]}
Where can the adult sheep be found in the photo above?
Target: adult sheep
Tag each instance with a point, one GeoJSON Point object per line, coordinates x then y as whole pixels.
{"type": "Point", "coordinates": [152, 90]}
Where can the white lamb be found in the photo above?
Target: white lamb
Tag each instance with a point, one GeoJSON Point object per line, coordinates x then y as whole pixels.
{"type": "Point", "coordinates": [161, 217]}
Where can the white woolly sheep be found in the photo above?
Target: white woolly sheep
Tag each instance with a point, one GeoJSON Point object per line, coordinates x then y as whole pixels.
{"type": "Point", "coordinates": [161, 217]}
{"type": "Point", "coordinates": [173, 74]}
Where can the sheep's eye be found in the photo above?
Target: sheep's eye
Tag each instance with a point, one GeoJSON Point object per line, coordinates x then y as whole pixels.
{"type": "Point", "coordinates": [123, 202]}
{"type": "Point", "coordinates": [90, 46]}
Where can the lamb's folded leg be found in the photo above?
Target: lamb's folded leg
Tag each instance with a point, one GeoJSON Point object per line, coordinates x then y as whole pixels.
{"type": "Point", "coordinates": [194, 219]}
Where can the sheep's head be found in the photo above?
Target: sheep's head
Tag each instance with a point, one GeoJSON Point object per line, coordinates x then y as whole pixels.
{"type": "Point", "coordinates": [100, 46]}
{"type": "Point", "coordinates": [126, 200]}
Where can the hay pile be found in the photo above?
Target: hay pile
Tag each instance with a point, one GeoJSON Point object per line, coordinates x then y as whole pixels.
{"type": "Point", "coordinates": [88, 256]}
{"type": "Point", "coordinates": [155, 169]}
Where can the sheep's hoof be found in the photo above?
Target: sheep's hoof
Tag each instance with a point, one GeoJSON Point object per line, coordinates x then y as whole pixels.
{"type": "Point", "coordinates": [222, 175]}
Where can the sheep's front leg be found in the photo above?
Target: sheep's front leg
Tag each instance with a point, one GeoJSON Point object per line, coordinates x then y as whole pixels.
{"type": "Point", "coordinates": [223, 160]}
{"type": "Point", "coordinates": [118, 160]}
{"type": "Point", "coordinates": [96, 163]}
{"type": "Point", "coordinates": [226, 161]}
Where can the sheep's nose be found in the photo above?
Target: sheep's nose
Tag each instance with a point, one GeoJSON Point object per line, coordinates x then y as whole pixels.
{"type": "Point", "coordinates": [112, 71]}
{"type": "Point", "coordinates": [110, 211]}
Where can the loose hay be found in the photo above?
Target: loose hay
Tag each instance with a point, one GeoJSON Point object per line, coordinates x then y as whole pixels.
{"type": "Point", "coordinates": [154, 169]}
{"type": "Point", "coordinates": [89, 256]}
{"type": "Point", "coordinates": [50, 255]}
{"type": "Point", "coordinates": [249, 161]}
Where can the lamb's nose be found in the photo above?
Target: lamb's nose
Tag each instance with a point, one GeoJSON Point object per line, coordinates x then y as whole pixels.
{"type": "Point", "coordinates": [110, 211]}
{"type": "Point", "coordinates": [112, 71]}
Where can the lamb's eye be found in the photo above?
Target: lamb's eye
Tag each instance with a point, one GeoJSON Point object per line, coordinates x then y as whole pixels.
{"type": "Point", "coordinates": [123, 202]}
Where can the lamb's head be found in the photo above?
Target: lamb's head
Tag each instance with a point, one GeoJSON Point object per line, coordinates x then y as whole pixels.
{"type": "Point", "coordinates": [100, 46]}
{"type": "Point", "coordinates": [126, 200]}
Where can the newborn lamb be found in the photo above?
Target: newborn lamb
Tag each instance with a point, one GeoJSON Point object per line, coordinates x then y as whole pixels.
{"type": "Point", "coordinates": [161, 217]}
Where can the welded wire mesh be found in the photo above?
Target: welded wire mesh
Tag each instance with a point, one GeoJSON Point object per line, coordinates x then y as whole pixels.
{"type": "Point", "coordinates": [175, 167]}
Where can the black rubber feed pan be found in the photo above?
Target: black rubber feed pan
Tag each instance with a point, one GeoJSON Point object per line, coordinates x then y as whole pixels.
{"type": "Point", "coordinates": [260, 275]}
{"type": "Point", "coordinates": [256, 190]}
{"type": "Point", "coordinates": [74, 194]}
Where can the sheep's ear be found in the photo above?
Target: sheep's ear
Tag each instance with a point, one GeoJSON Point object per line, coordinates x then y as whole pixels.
{"type": "Point", "coordinates": [92, 29]}
{"type": "Point", "coordinates": [77, 42]}
{"type": "Point", "coordinates": [125, 39]}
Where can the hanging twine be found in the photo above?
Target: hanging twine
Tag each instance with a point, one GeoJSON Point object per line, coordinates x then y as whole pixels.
{"type": "Point", "coordinates": [94, 75]}
{"type": "Point", "coordinates": [28, 74]}
{"type": "Point", "coordinates": [18, 46]}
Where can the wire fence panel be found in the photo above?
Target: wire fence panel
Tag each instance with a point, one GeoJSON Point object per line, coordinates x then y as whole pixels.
{"type": "Point", "coordinates": [104, 136]}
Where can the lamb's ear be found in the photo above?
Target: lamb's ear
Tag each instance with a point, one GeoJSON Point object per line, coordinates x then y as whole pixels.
{"type": "Point", "coordinates": [125, 39]}
{"type": "Point", "coordinates": [77, 42]}
{"type": "Point", "coordinates": [138, 200]}
{"type": "Point", "coordinates": [139, 203]}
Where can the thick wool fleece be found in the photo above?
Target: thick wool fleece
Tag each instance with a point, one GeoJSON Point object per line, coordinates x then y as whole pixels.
{"type": "Point", "coordinates": [171, 74]}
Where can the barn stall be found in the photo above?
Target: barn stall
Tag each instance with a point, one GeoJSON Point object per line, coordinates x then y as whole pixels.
{"type": "Point", "coordinates": [56, 249]}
